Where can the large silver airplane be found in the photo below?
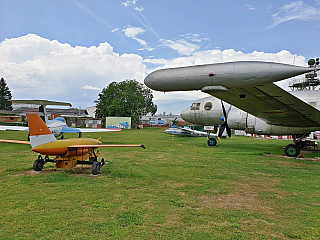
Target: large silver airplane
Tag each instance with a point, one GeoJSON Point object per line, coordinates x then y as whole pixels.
{"type": "Point", "coordinates": [248, 86]}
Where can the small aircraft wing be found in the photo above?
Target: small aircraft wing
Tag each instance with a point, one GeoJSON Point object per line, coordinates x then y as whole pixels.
{"type": "Point", "coordinates": [272, 104]}
{"type": "Point", "coordinates": [78, 130]}
{"type": "Point", "coordinates": [103, 145]}
{"type": "Point", "coordinates": [15, 128]}
{"type": "Point", "coordinates": [41, 102]}
{"type": "Point", "coordinates": [14, 141]}
{"type": "Point", "coordinates": [100, 129]}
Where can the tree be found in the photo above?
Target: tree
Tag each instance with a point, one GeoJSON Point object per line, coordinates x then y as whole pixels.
{"type": "Point", "coordinates": [5, 96]}
{"type": "Point", "coordinates": [125, 99]}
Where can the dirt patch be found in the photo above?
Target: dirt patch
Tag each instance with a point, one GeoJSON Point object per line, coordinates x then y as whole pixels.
{"type": "Point", "coordinates": [286, 157]}
{"type": "Point", "coordinates": [246, 197]}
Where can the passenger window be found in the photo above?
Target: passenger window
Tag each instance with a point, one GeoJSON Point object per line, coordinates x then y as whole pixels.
{"type": "Point", "coordinates": [207, 106]}
{"type": "Point", "coordinates": [195, 106]}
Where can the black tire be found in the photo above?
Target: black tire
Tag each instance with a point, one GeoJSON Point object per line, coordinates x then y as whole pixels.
{"type": "Point", "coordinates": [292, 150]}
{"type": "Point", "coordinates": [38, 165]}
{"type": "Point", "coordinates": [212, 142]}
{"type": "Point", "coordinates": [96, 168]}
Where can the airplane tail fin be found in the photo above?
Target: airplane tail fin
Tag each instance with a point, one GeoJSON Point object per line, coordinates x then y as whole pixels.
{"type": "Point", "coordinates": [39, 132]}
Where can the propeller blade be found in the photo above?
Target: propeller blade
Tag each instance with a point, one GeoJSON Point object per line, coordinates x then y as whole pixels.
{"type": "Point", "coordinates": [228, 131]}
{"type": "Point", "coordinates": [224, 125]}
{"type": "Point", "coordinates": [224, 111]}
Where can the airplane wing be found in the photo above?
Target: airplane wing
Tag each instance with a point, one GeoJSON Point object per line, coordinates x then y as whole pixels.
{"type": "Point", "coordinates": [77, 130]}
{"type": "Point", "coordinates": [103, 145]}
{"type": "Point", "coordinates": [15, 128]}
{"type": "Point", "coordinates": [41, 102]}
{"type": "Point", "coordinates": [272, 104]}
{"type": "Point", "coordinates": [14, 141]}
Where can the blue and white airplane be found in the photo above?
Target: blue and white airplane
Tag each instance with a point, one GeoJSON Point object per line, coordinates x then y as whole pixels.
{"type": "Point", "coordinates": [57, 126]}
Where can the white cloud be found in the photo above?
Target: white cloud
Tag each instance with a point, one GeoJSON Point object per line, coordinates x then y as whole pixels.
{"type": "Point", "coordinates": [181, 46]}
{"type": "Point", "coordinates": [139, 9]}
{"type": "Point", "coordinates": [115, 30]}
{"type": "Point", "coordinates": [36, 67]}
{"type": "Point", "coordinates": [132, 32]}
{"type": "Point", "coordinates": [295, 11]}
{"type": "Point", "coordinates": [251, 8]}
{"type": "Point", "coordinates": [91, 88]}
{"type": "Point", "coordinates": [129, 3]}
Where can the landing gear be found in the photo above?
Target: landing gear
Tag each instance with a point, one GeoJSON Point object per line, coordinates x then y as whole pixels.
{"type": "Point", "coordinates": [38, 165]}
{"type": "Point", "coordinates": [292, 150]}
{"type": "Point", "coordinates": [96, 166]}
{"type": "Point", "coordinates": [40, 162]}
{"type": "Point", "coordinates": [212, 142]}
{"type": "Point", "coordinates": [90, 158]}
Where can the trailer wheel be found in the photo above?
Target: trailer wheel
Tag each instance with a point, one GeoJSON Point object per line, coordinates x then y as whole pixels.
{"type": "Point", "coordinates": [96, 168]}
{"type": "Point", "coordinates": [38, 165]}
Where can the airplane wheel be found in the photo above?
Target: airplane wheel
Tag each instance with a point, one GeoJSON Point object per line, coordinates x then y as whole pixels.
{"type": "Point", "coordinates": [38, 165]}
{"type": "Point", "coordinates": [95, 168]}
{"type": "Point", "coordinates": [292, 150]}
{"type": "Point", "coordinates": [212, 142]}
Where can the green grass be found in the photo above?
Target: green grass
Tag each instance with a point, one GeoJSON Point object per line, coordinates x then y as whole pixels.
{"type": "Point", "coordinates": [177, 188]}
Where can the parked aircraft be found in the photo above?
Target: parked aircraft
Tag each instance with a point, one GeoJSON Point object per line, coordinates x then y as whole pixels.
{"type": "Point", "coordinates": [187, 132]}
{"type": "Point", "coordinates": [249, 87]}
{"type": "Point", "coordinates": [57, 126]}
{"type": "Point", "coordinates": [68, 152]}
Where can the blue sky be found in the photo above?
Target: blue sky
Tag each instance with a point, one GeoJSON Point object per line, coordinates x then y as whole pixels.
{"type": "Point", "coordinates": [68, 50]}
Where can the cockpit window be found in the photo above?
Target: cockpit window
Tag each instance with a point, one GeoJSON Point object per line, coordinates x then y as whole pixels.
{"type": "Point", "coordinates": [207, 106]}
{"type": "Point", "coordinates": [195, 106]}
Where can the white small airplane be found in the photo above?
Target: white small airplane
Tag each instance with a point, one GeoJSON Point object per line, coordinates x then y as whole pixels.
{"type": "Point", "coordinates": [57, 126]}
{"type": "Point", "coordinates": [187, 132]}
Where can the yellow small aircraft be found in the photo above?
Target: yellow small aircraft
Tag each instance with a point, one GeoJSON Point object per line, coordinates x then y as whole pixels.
{"type": "Point", "coordinates": [68, 152]}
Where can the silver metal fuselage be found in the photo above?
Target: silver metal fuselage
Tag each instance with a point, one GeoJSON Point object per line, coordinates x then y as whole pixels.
{"type": "Point", "coordinates": [241, 120]}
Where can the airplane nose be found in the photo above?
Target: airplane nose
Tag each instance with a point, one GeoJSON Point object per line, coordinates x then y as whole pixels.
{"type": "Point", "coordinates": [185, 115]}
{"type": "Point", "coordinates": [151, 81]}
{"type": "Point", "coordinates": [283, 71]}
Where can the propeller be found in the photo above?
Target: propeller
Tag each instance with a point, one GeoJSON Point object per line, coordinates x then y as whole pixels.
{"type": "Point", "coordinates": [224, 125]}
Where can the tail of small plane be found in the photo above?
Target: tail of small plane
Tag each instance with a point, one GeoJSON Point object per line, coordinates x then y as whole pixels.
{"type": "Point", "coordinates": [39, 132]}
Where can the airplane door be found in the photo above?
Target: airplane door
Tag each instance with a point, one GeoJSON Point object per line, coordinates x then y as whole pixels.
{"type": "Point", "coordinates": [250, 123]}
{"type": "Point", "coordinates": [195, 112]}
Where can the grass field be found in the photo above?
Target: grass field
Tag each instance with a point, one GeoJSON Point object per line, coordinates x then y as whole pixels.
{"type": "Point", "coordinates": [176, 188]}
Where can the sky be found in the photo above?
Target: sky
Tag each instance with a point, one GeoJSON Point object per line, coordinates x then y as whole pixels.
{"type": "Point", "coordinates": [69, 50]}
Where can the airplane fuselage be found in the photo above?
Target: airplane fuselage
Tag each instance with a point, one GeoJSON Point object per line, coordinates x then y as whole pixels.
{"type": "Point", "coordinates": [60, 147]}
{"type": "Point", "coordinates": [208, 111]}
